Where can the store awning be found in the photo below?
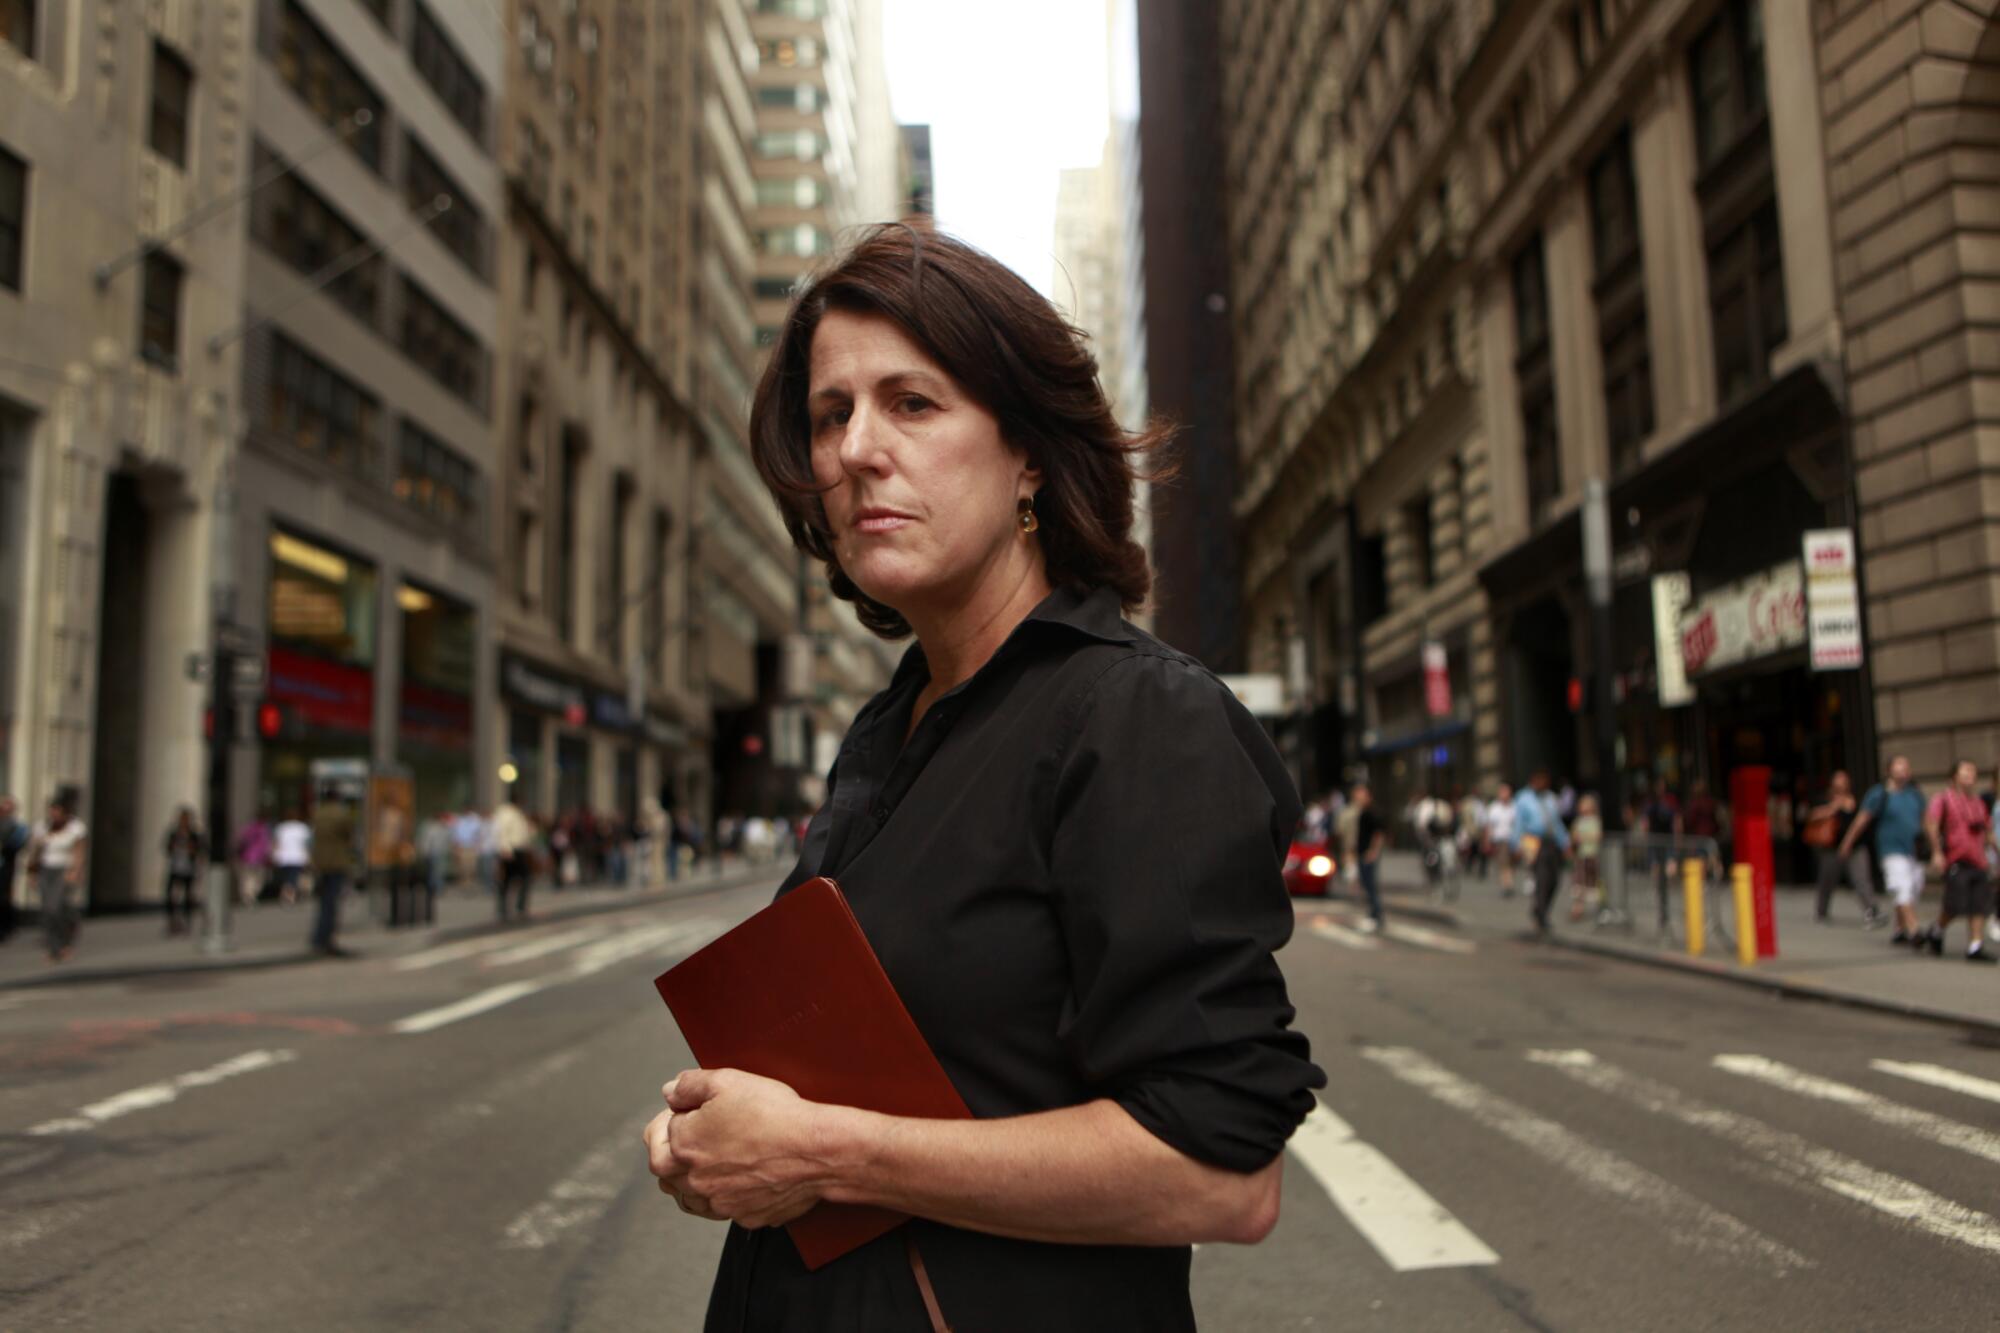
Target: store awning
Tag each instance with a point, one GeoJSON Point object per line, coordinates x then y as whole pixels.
{"type": "Point", "coordinates": [1436, 734]}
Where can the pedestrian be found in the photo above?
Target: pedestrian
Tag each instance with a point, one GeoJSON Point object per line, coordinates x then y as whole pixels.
{"type": "Point", "coordinates": [1542, 842]}
{"type": "Point", "coordinates": [468, 834]}
{"type": "Point", "coordinates": [57, 852]}
{"type": "Point", "coordinates": [434, 849]}
{"type": "Point", "coordinates": [184, 844]}
{"type": "Point", "coordinates": [1992, 854]}
{"type": "Point", "coordinates": [291, 853]}
{"type": "Point", "coordinates": [253, 859]}
{"type": "Point", "coordinates": [1472, 832]}
{"type": "Point", "coordinates": [1826, 829]}
{"type": "Point", "coordinates": [1500, 835]}
{"type": "Point", "coordinates": [14, 833]}
{"type": "Point", "coordinates": [513, 852]}
{"type": "Point", "coordinates": [1960, 825]}
{"type": "Point", "coordinates": [1087, 945]}
{"type": "Point", "coordinates": [1588, 832]}
{"type": "Point", "coordinates": [1347, 828]}
{"type": "Point", "coordinates": [1895, 810]}
{"type": "Point", "coordinates": [1371, 838]}
{"type": "Point", "coordinates": [333, 861]}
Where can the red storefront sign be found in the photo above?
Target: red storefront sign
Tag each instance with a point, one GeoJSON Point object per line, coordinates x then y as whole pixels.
{"type": "Point", "coordinates": [327, 696]}
{"type": "Point", "coordinates": [441, 719]}
{"type": "Point", "coordinates": [1437, 681]}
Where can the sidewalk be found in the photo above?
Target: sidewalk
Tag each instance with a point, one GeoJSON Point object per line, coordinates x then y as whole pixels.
{"type": "Point", "coordinates": [1840, 962]}
{"type": "Point", "coordinates": [119, 948]}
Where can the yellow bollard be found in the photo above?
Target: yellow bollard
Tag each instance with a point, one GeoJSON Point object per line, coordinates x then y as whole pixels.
{"type": "Point", "coordinates": [1746, 914]}
{"type": "Point", "coordinates": [1691, 882]}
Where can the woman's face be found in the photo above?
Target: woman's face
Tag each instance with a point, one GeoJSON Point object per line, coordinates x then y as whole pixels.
{"type": "Point", "coordinates": [924, 491]}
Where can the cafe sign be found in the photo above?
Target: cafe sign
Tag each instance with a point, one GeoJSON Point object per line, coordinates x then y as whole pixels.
{"type": "Point", "coordinates": [1748, 619]}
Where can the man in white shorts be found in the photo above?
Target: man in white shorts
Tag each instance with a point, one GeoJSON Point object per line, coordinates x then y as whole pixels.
{"type": "Point", "coordinates": [1895, 810]}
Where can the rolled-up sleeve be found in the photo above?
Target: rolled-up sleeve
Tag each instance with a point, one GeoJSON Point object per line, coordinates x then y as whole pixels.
{"type": "Point", "coordinates": [1171, 813]}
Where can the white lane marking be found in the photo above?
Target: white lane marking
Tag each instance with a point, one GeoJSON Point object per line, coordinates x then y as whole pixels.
{"type": "Point", "coordinates": [22, 1230]}
{"type": "Point", "coordinates": [1938, 1129]}
{"type": "Point", "coordinates": [1938, 1076]}
{"type": "Point", "coordinates": [159, 1094]}
{"type": "Point", "coordinates": [555, 943]}
{"type": "Point", "coordinates": [491, 998]}
{"type": "Point", "coordinates": [589, 960]}
{"type": "Point", "coordinates": [1793, 1156]}
{"type": "Point", "coordinates": [1685, 1219]}
{"type": "Point", "coordinates": [451, 953]}
{"type": "Point", "coordinates": [1429, 939]}
{"type": "Point", "coordinates": [1339, 934]}
{"type": "Point", "coordinates": [582, 1196]}
{"type": "Point", "coordinates": [1407, 1227]}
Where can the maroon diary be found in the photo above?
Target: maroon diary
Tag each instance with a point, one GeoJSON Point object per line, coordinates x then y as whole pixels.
{"type": "Point", "coordinates": [795, 993]}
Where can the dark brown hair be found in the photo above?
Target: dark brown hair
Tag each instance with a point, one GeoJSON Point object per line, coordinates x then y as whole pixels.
{"type": "Point", "coordinates": [1008, 348]}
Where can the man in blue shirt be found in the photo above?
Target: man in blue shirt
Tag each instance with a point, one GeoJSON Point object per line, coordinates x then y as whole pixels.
{"type": "Point", "coordinates": [1895, 809]}
{"type": "Point", "coordinates": [1542, 841]}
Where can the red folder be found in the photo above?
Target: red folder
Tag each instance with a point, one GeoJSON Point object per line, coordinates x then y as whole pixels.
{"type": "Point", "coordinates": [795, 993]}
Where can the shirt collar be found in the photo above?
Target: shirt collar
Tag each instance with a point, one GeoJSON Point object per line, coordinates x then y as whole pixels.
{"type": "Point", "coordinates": [1095, 613]}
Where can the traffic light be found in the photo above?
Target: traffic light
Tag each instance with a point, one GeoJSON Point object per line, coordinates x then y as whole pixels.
{"type": "Point", "coordinates": [270, 720]}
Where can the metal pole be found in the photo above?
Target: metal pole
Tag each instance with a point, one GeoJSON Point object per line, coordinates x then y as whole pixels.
{"type": "Point", "coordinates": [1597, 583]}
{"type": "Point", "coordinates": [222, 714]}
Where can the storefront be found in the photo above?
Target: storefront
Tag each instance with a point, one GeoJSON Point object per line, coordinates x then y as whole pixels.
{"type": "Point", "coordinates": [573, 745]}
{"type": "Point", "coordinates": [321, 666]}
{"type": "Point", "coordinates": [1421, 743]}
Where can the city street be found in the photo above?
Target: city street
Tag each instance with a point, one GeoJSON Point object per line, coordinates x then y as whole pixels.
{"type": "Point", "coordinates": [1512, 1137]}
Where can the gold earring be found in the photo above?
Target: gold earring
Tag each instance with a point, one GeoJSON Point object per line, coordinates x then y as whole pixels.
{"type": "Point", "coordinates": [1026, 512]}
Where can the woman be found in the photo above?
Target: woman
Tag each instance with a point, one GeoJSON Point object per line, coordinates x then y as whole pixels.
{"type": "Point", "coordinates": [184, 853]}
{"type": "Point", "coordinates": [1063, 839]}
{"type": "Point", "coordinates": [56, 852]}
{"type": "Point", "coordinates": [1588, 834]}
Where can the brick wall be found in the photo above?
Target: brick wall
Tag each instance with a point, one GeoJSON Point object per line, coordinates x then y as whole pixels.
{"type": "Point", "coordinates": [1911, 94]}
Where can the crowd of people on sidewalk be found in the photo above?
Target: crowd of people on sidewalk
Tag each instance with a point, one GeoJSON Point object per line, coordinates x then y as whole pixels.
{"type": "Point", "coordinates": [318, 849]}
{"type": "Point", "coordinates": [1891, 835]}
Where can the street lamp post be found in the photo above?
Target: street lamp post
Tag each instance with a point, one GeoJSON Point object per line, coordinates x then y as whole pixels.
{"type": "Point", "coordinates": [222, 709]}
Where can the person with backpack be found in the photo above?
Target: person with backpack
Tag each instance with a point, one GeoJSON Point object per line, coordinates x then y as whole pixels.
{"type": "Point", "coordinates": [1895, 810]}
{"type": "Point", "coordinates": [1960, 825]}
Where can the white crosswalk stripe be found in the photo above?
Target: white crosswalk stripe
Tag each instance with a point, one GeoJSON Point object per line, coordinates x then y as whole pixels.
{"type": "Point", "coordinates": [1938, 1129]}
{"type": "Point", "coordinates": [1429, 939]}
{"type": "Point", "coordinates": [582, 1196]}
{"type": "Point", "coordinates": [1938, 1076]}
{"type": "Point", "coordinates": [1328, 929]}
{"type": "Point", "coordinates": [1407, 1227]}
{"type": "Point", "coordinates": [1794, 1157]}
{"type": "Point", "coordinates": [1685, 1219]}
{"type": "Point", "coordinates": [451, 953]}
{"type": "Point", "coordinates": [542, 948]}
{"type": "Point", "coordinates": [159, 1094]}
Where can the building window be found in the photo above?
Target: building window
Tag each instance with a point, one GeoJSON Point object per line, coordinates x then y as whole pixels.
{"type": "Point", "coordinates": [793, 9]}
{"type": "Point", "coordinates": [656, 600]}
{"type": "Point", "coordinates": [291, 221]}
{"type": "Point", "coordinates": [442, 346]}
{"type": "Point", "coordinates": [528, 427]}
{"type": "Point", "coordinates": [1619, 286]}
{"type": "Point", "coordinates": [804, 145]}
{"type": "Point", "coordinates": [562, 592]}
{"type": "Point", "coordinates": [17, 25]}
{"type": "Point", "coordinates": [800, 241]}
{"type": "Point", "coordinates": [789, 52]}
{"type": "Point", "coordinates": [13, 217]}
{"type": "Point", "coordinates": [160, 311]}
{"type": "Point", "coordinates": [173, 88]}
{"type": "Point", "coordinates": [1739, 202]}
{"type": "Point", "coordinates": [774, 289]}
{"type": "Point", "coordinates": [804, 98]}
{"type": "Point", "coordinates": [791, 192]}
{"type": "Point", "coordinates": [435, 479]}
{"type": "Point", "coordinates": [317, 71]}
{"type": "Point", "coordinates": [622, 492]}
{"type": "Point", "coordinates": [461, 227]}
{"type": "Point", "coordinates": [322, 601]}
{"type": "Point", "coordinates": [1418, 537]}
{"type": "Point", "coordinates": [448, 74]}
{"type": "Point", "coordinates": [1534, 369]}
{"type": "Point", "coordinates": [318, 409]}
{"type": "Point", "coordinates": [525, 561]}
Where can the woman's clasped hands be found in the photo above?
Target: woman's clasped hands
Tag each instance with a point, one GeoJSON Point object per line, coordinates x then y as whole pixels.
{"type": "Point", "coordinates": [736, 1147]}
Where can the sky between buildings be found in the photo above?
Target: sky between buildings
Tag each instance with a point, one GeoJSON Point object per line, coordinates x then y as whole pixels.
{"type": "Point", "coordinates": [1013, 93]}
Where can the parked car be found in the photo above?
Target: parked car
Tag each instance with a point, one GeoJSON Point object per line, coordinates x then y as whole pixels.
{"type": "Point", "coordinates": [1309, 868]}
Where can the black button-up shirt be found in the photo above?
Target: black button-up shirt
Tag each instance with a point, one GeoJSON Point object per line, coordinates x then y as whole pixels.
{"type": "Point", "coordinates": [1071, 872]}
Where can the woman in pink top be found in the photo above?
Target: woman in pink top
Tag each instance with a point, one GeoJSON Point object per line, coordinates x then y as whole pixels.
{"type": "Point", "coordinates": [253, 856]}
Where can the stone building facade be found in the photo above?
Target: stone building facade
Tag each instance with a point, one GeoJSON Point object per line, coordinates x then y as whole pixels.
{"type": "Point", "coordinates": [1728, 259]}
{"type": "Point", "coordinates": [118, 407]}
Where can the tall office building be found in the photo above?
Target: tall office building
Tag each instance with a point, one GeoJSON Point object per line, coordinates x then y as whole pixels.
{"type": "Point", "coordinates": [121, 286]}
{"type": "Point", "coordinates": [1724, 258]}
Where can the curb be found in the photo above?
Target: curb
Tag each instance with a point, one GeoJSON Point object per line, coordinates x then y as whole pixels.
{"type": "Point", "coordinates": [1781, 987]}
{"type": "Point", "coordinates": [254, 962]}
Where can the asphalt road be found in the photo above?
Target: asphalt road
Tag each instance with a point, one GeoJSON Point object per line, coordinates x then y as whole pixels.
{"type": "Point", "coordinates": [1512, 1138]}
